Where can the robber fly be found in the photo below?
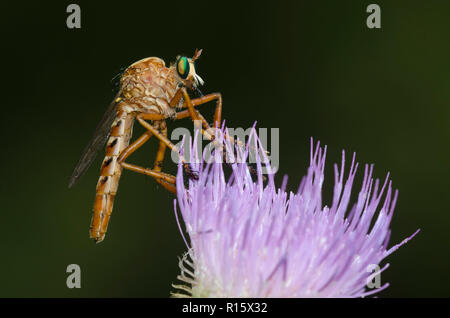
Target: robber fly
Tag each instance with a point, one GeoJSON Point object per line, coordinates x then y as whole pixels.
{"type": "Point", "coordinates": [149, 92]}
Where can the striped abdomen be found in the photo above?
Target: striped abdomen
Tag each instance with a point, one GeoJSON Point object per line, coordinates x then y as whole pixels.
{"type": "Point", "coordinates": [110, 172]}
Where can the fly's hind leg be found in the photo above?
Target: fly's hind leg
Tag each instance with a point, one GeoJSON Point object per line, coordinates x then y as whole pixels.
{"type": "Point", "coordinates": [163, 139]}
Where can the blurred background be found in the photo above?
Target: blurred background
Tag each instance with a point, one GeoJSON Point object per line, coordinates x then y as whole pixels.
{"type": "Point", "coordinates": [312, 69]}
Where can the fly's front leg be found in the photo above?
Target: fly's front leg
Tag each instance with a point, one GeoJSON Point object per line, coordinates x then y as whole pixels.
{"type": "Point", "coordinates": [191, 103]}
{"type": "Point", "coordinates": [207, 98]}
{"type": "Point", "coordinates": [197, 116]}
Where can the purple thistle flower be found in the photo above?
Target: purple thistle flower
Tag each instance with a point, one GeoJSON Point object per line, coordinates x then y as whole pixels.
{"type": "Point", "coordinates": [248, 239]}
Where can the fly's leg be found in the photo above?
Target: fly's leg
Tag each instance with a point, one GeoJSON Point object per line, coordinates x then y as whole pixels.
{"type": "Point", "coordinates": [163, 138]}
{"type": "Point", "coordinates": [191, 103]}
{"type": "Point", "coordinates": [149, 172]}
{"type": "Point", "coordinates": [134, 146]}
{"type": "Point", "coordinates": [195, 114]}
{"type": "Point", "coordinates": [160, 159]}
{"type": "Point", "coordinates": [166, 180]}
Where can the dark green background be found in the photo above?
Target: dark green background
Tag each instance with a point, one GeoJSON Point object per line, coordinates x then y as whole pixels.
{"type": "Point", "coordinates": [310, 68]}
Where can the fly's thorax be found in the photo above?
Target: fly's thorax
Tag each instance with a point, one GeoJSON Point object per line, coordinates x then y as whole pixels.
{"type": "Point", "coordinates": [150, 85]}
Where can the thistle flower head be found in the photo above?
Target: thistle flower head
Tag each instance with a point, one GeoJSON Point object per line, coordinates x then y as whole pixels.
{"type": "Point", "coordinates": [251, 239]}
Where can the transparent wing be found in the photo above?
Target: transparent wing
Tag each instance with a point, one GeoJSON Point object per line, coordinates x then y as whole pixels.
{"type": "Point", "coordinates": [97, 142]}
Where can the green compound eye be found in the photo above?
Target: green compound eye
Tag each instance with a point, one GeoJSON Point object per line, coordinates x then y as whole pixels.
{"type": "Point", "coordinates": [183, 67]}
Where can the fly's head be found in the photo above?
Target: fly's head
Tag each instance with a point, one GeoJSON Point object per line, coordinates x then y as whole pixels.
{"type": "Point", "coordinates": [185, 71]}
